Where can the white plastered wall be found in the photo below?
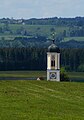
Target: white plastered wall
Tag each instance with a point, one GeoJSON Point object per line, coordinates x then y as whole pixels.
{"type": "Point", "coordinates": [57, 66]}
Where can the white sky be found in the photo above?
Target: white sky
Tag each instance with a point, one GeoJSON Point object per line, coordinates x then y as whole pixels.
{"type": "Point", "coordinates": [41, 8]}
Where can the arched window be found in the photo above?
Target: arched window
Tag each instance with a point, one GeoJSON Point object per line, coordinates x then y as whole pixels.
{"type": "Point", "coordinates": [52, 61]}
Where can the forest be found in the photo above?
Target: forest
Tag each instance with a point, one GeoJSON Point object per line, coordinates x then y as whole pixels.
{"type": "Point", "coordinates": [35, 59]}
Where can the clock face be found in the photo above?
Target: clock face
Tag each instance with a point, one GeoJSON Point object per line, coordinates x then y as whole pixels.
{"type": "Point", "coordinates": [53, 75]}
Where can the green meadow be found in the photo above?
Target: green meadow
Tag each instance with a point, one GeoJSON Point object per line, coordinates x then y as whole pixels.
{"type": "Point", "coordinates": [74, 76]}
{"type": "Point", "coordinates": [22, 74]}
{"type": "Point", "coordinates": [40, 100]}
{"type": "Point", "coordinates": [33, 30]}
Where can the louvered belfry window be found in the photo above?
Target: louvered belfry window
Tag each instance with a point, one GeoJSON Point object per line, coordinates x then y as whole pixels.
{"type": "Point", "coordinates": [53, 61]}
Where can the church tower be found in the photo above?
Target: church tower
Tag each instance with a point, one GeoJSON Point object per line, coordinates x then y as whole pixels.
{"type": "Point", "coordinates": [53, 63]}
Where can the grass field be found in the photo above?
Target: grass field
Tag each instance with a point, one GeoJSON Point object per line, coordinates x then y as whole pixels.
{"type": "Point", "coordinates": [74, 76]}
{"type": "Point", "coordinates": [41, 100]}
{"type": "Point", "coordinates": [22, 73]}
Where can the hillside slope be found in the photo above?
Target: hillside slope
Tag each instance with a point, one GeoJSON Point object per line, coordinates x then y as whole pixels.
{"type": "Point", "coordinates": [41, 100]}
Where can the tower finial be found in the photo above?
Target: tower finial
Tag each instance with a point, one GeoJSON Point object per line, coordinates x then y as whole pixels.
{"type": "Point", "coordinates": [53, 38]}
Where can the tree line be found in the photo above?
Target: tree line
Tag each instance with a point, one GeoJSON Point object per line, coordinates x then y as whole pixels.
{"type": "Point", "coordinates": [77, 21]}
{"type": "Point", "coordinates": [36, 59]}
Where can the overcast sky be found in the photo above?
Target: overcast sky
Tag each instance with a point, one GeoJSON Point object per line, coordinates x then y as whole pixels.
{"type": "Point", "coordinates": [41, 8]}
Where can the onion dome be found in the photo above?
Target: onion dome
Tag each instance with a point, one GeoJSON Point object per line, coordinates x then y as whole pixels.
{"type": "Point", "coordinates": [53, 48]}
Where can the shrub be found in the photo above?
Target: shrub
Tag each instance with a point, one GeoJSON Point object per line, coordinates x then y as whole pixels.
{"type": "Point", "coordinates": [63, 75]}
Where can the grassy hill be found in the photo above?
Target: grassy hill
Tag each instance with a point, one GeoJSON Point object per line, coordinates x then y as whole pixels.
{"type": "Point", "coordinates": [9, 33]}
{"type": "Point", "coordinates": [66, 29]}
{"type": "Point", "coordinates": [41, 100]}
{"type": "Point", "coordinates": [25, 35]}
{"type": "Point", "coordinates": [73, 38]}
{"type": "Point", "coordinates": [33, 30]}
